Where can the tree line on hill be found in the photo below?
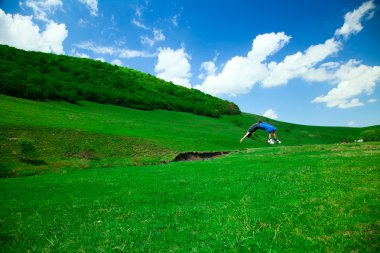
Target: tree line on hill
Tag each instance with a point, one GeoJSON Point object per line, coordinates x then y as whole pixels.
{"type": "Point", "coordinates": [43, 76]}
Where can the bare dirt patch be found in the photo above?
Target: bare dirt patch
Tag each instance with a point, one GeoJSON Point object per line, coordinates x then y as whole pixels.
{"type": "Point", "coordinates": [195, 156]}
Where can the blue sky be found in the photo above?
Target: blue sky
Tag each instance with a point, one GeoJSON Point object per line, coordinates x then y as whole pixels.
{"type": "Point", "coordinates": [306, 62]}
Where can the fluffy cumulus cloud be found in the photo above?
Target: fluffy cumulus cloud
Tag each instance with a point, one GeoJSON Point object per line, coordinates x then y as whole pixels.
{"type": "Point", "coordinates": [270, 113]}
{"type": "Point", "coordinates": [350, 79]}
{"type": "Point", "coordinates": [299, 64]}
{"type": "Point", "coordinates": [173, 65]}
{"type": "Point", "coordinates": [240, 73]}
{"type": "Point", "coordinates": [100, 59]}
{"type": "Point", "coordinates": [113, 51]}
{"type": "Point", "coordinates": [20, 31]}
{"type": "Point", "coordinates": [92, 6]}
{"type": "Point", "coordinates": [117, 62]}
{"type": "Point", "coordinates": [352, 20]}
{"type": "Point", "coordinates": [208, 68]}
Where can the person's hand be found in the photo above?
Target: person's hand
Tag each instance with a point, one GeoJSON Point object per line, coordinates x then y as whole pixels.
{"type": "Point", "coordinates": [241, 140]}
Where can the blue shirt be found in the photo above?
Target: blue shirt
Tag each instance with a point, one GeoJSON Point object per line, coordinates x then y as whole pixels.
{"type": "Point", "coordinates": [263, 126]}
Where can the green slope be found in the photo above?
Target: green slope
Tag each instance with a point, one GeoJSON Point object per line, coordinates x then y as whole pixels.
{"type": "Point", "coordinates": [295, 134]}
{"type": "Point", "coordinates": [314, 198]}
{"type": "Point", "coordinates": [87, 134]}
{"type": "Point", "coordinates": [43, 76]}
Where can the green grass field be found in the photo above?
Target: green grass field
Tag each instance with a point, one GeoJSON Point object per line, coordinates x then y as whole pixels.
{"type": "Point", "coordinates": [317, 198]}
{"type": "Point", "coordinates": [77, 136]}
{"type": "Point", "coordinates": [98, 184]}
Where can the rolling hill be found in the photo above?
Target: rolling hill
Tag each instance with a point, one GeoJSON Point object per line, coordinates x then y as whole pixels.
{"type": "Point", "coordinates": [43, 76]}
{"type": "Point", "coordinates": [66, 113]}
{"type": "Point", "coordinates": [89, 174]}
{"type": "Point", "coordinates": [70, 136]}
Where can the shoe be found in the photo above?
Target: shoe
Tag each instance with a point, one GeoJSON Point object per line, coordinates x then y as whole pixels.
{"type": "Point", "coordinates": [270, 141]}
{"type": "Point", "coordinates": [278, 141]}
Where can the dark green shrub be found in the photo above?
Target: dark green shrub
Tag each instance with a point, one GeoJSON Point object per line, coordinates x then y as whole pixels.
{"type": "Point", "coordinates": [27, 150]}
{"type": "Point", "coordinates": [370, 135]}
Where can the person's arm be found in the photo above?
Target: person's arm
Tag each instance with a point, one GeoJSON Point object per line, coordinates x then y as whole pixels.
{"type": "Point", "coordinates": [242, 139]}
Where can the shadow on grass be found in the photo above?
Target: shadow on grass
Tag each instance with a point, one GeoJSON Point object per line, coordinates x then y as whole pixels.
{"type": "Point", "coordinates": [33, 161]}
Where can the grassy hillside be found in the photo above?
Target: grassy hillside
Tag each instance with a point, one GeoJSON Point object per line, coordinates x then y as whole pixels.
{"type": "Point", "coordinates": [43, 76]}
{"type": "Point", "coordinates": [312, 193]}
{"type": "Point", "coordinates": [313, 198]}
{"type": "Point", "coordinates": [92, 190]}
{"type": "Point", "coordinates": [86, 135]}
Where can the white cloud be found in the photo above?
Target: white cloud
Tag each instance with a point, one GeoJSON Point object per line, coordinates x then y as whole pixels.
{"type": "Point", "coordinates": [139, 24]}
{"type": "Point", "coordinates": [113, 51]}
{"type": "Point", "coordinates": [239, 74]}
{"type": "Point", "coordinates": [139, 9]}
{"type": "Point", "coordinates": [41, 8]}
{"type": "Point", "coordinates": [117, 62]}
{"type": "Point", "coordinates": [351, 79]}
{"type": "Point", "coordinates": [157, 36]}
{"type": "Point", "coordinates": [82, 22]}
{"type": "Point", "coordinates": [54, 35]}
{"type": "Point", "coordinates": [267, 44]}
{"type": "Point", "coordinates": [352, 20]}
{"type": "Point", "coordinates": [299, 64]}
{"type": "Point", "coordinates": [270, 113]}
{"type": "Point", "coordinates": [371, 100]}
{"type": "Point", "coordinates": [145, 40]}
{"type": "Point", "coordinates": [138, 16]}
{"type": "Point", "coordinates": [96, 49]}
{"type": "Point", "coordinates": [351, 123]}
{"type": "Point", "coordinates": [128, 53]}
{"type": "Point", "coordinates": [209, 68]}
{"type": "Point", "coordinates": [355, 102]}
{"type": "Point", "coordinates": [175, 20]}
{"type": "Point", "coordinates": [100, 59]}
{"type": "Point", "coordinates": [174, 66]}
{"type": "Point", "coordinates": [92, 6]}
{"type": "Point", "coordinates": [20, 31]}
{"type": "Point", "coordinates": [79, 54]}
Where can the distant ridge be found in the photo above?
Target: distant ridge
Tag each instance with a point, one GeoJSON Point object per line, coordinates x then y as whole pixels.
{"type": "Point", "coordinates": [44, 76]}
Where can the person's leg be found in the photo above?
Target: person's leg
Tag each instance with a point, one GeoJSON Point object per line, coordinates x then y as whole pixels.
{"type": "Point", "coordinates": [270, 140]}
{"type": "Point", "coordinates": [275, 137]}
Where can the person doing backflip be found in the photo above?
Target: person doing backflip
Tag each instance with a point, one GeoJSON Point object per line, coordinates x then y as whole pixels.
{"type": "Point", "coordinates": [271, 130]}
